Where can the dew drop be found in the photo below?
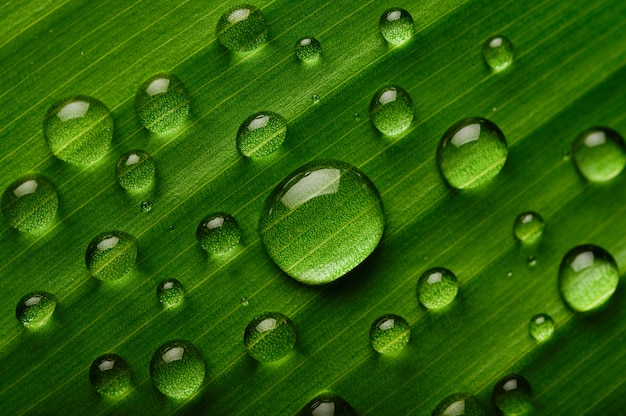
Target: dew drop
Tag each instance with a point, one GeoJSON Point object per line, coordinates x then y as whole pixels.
{"type": "Point", "coordinates": [588, 277]}
{"type": "Point", "coordinates": [110, 376]}
{"type": "Point", "coordinates": [541, 327]}
{"type": "Point", "coordinates": [321, 221]}
{"type": "Point", "coordinates": [498, 53]}
{"type": "Point", "coordinates": [270, 337]}
{"type": "Point", "coordinates": [218, 233]}
{"type": "Point", "coordinates": [528, 227]}
{"type": "Point", "coordinates": [315, 98]}
{"type": "Point", "coordinates": [78, 129]}
{"type": "Point", "coordinates": [391, 110]}
{"type": "Point", "coordinates": [244, 301]}
{"type": "Point", "coordinates": [162, 103]}
{"type": "Point", "coordinates": [30, 203]}
{"type": "Point", "coordinates": [531, 261]}
{"type": "Point", "coordinates": [242, 28]}
{"type": "Point", "coordinates": [437, 287]}
{"type": "Point", "coordinates": [599, 154]}
{"type": "Point", "coordinates": [35, 309]}
{"type": "Point", "coordinates": [459, 404]}
{"type": "Point", "coordinates": [328, 404]}
{"type": "Point", "coordinates": [146, 206]}
{"type": "Point", "coordinates": [509, 274]}
{"type": "Point", "coordinates": [512, 395]}
{"type": "Point", "coordinates": [111, 255]}
{"type": "Point", "coordinates": [261, 134]}
{"type": "Point", "coordinates": [177, 369]}
{"type": "Point", "coordinates": [170, 227]}
{"type": "Point", "coordinates": [396, 26]}
{"type": "Point", "coordinates": [308, 50]}
{"type": "Point", "coordinates": [357, 116]}
{"type": "Point", "coordinates": [389, 334]}
{"type": "Point", "coordinates": [471, 152]}
{"type": "Point", "coordinates": [170, 293]}
{"type": "Point", "coordinates": [135, 170]}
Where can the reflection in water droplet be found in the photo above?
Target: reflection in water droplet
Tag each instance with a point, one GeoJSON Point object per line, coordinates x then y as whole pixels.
{"type": "Point", "coordinates": [396, 26]}
{"type": "Point", "coordinates": [512, 395]}
{"type": "Point", "coordinates": [177, 369]}
{"type": "Point", "coordinates": [135, 170]}
{"type": "Point", "coordinates": [528, 227]}
{"type": "Point", "coordinates": [162, 103]}
{"type": "Point", "coordinates": [599, 154]}
{"type": "Point", "coordinates": [327, 404]}
{"type": "Point", "coordinates": [308, 50]}
{"type": "Point", "coordinates": [391, 110]}
{"type": "Point", "coordinates": [270, 337]}
{"type": "Point", "coordinates": [437, 287]}
{"type": "Point", "coordinates": [111, 255]}
{"type": "Point", "coordinates": [35, 309]}
{"type": "Point", "coordinates": [261, 134]}
{"type": "Point", "coordinates": [242, 28]}
{"type": "Point", "coordinates": [218, 233]}
{"type": "Point", "coordinates": [170, 293]}
{"type": "Point", "coordinates": [389, 334]}
{"type": "Point", "coordinates": [110, 376]}
{"type": "Point", "coordinates": [541, 327]}
{"type": "Point", "coordinates": [498, 53]}
{"type": "Point", "coordinates": [30, 203]}
{"type": "Point", "coordinates": [459, 404]}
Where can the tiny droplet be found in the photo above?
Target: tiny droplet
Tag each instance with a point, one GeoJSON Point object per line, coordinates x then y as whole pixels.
{"type": "Point", "coordinates": [270, 337]}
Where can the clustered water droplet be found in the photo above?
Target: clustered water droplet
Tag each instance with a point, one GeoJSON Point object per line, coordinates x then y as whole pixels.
{"type": "Point", "coordinates": [270, 337]}
{"type": "Point", "coordinates": [498, 53]}
{"type": "Point", "coordinates": [389, 334]}
{"type": "Point", "coordinates": [391, 110]}
{"type": "Point", "coordinates": [599, 154]}
{"type": "Point", "coordinates": [135, 170]}
{"type": "Point", "coordinates": [308, 49]}
{"type": "Point", "coordinates": [512, 395]}
{"type": "Point", "coordinates": [261, 134]}
{"type": "Point", "coordinates": [170, 293]}
{"type": "Point", "coordinates": [110, 376]}
{"type": "Point", "coordinates": [437, 288]}
{"type": "Point", "coordinates": [35, 309]}
{"type": "Point", "coordinates": [242, 28]}
{"type": "Point", "coordinates": [162, 103]}
{"type": "Point", "coordinates": [30, 203]}
{"type": "Point", "coordinates": [396, 26]}
{"type": "Point", "coordinates": [177, 369]}
{"type": "Point", "coordinates": [541, 327]}
{"type": "Point", "coordinates": [111, 255]}
{"type": "Point", "coordinates": [218, 233]}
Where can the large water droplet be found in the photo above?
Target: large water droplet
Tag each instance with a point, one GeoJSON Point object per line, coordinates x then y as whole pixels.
{"type": "Point", "coordinates": [35, 309]}
{"type": "Point", "coordinates": [528, 227]}
{"type": "Point", "coordinates": [261, 134]}
{"type": "Point", "coordinates": [459, 404]}
{"type": "Point", "coordinates": [437, 287]}
{"type": "Point", "coordinates": [270, 337]}
{"type": "Point", "coordinates": [599, 154]}
{"type": "Point", "coordinates": [308, 49]}
{"type": "Point", "coordinates": [111, 255]}
{"type": "Point", "coordinates": [321, 221]}
{"type": "Point", "coordinates": [541, 327]}
{"type": "Point", "coordinates": [135, 170]}
{"type": "Point", "coordinates": [512, 395]}
{"type": "Point", "coordinates": [242, 28]}
{"type": "Point", "coordinates": [389, 334]}
{"type": "Point", "coordinates": [30, 203]}
{"type": "Point", "coordinates": [162, 103]}
{"type": "Point", "coordinates": [391, 110]}
{"type": "Point", "coordinates": [170, 293]}
{"type": "Point", "coordinates": [110, 376]}
{"type": "Point", "coordinates": [327, 404]}
{"type": "Point", "coordinates": [588, 276]}
{"type": "Point", "coordinates": [396, 26]}
{"type": "Point", "coordinates": [471, 152]}
{"type": "Point", "coordinates": [218, 233]}
{"type": "Point", "coordinates": [78, 129]}
{"type": "Point", "coordinates": [498, 52]}
{"type": "Point", "coordinates": [177, 369]}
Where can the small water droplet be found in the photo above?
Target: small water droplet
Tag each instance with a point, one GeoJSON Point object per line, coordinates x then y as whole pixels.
{"type": "Point", "coordinates": [541, 327]}
{"type": "Point", "coordinates": [244, 301]}
{"type": "Point", "coordinates": [471, 152]}
{"type": "Point", "coordinates": [218, 233]}
{"type": "Point", "coordinates": [110, 376]}
{"type": "Point", "coordinates": [170, 227]}
{"type": "Point", "coordinates": [357, 116]}
{"type": "Point", "coordinates": [135, 170]}
{"type": "Point", "coordinates": [328, 404]}
{"type": "Point", "coordinates": [389, 334]}
{"type": "Point", "coordinates": [391, 110]}
{"type": "Point", "coordinates": [437, 287]}
{"type": "Point", "coordinates": [30, 203]}
{"type": "Point", "coordinates": [315, 98]}
{"type": "Point", "coordinates": [308, 50]}
{"type": "Point", "coordinates": [498, 53]}
{"type": "Point", "coordinates": [532, 261]}
{"type": "Point", "coordinates": [566, 155]}
{"type": "Point", "coordinates": [270, 337]}
{"type": "Point", "coordinates": [146, 206]}
{"type": "Point", "coordinates": [512, 395]}
{"type": "Point", "coordinates": [162, 103]}
{"type": "Point", "coordinates": [588, 277]}
{"type": "Point", "coordinates": [599, 154]}
{"type": "Point", "coordinates": [177, 369]}
{"type": "Point", "coordinates": [396, 26]}
{"type": "Point", "coordinates": [170, 293]}
{"type": "Point", "coordinates": [242, 28]}
{"type": "Point", "coordinates": [78, 129]}
{"type": "Point", "coordinates": [35, 309]}
{"type": "Point", "coordinates": [321, 221]}
{"type": "Point", "coordinates": [459, 404]}
{"type": "Point", "coordinates": [509, 274]}
{"type": "Point", "coordinates": [111, 255]}
{"type": "Point", "coordinates": [261, 134]}
{"type": "Point", "coordinates": [528, 227]}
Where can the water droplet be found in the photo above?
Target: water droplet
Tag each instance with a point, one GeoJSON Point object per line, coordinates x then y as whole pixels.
{"type": "Point", "coordinates": [565, 155]}
{"type": "Point", "coordinates": [111, 255]}
{"type": "Point", "coordinates": [588, 276]}
{"type": "Point", "coordinates": [471, 152]}
{"type": "Point", "coordinates": [328, 404]}
{"type": "Point", "coordinates": [218, 233]}
{"type": "Point", "coordinates": [528, 227]}
{"type": "Point", "coordinates": [315, 98]}
{"type": "Point", "coordinates": [146, 205]}
{"type": "Point", "coordinates": [509, 273]}
{"type": "Point", "coordinates": [389, 334]}
{"type": "Point", "coordinates": [30, 203]}
{"type": "Point", "coordinates": [437, 287]}
{"type": "Point", "coordinates": [357, 116]}
{"type": "Point", "coordinates": [35, 309]}
{"type": "Point", "coordinates": [78, 129]}
{"type": "Point", "coordinates": [244, 301]}
{"type": "Point", "coordinates": [270, 337]}
{"type": "Point", "coordinates": [135, 170]}
{"type": "Point", "coordinates": [541, 327]}
{"type": "Point", "coordinates": [261, 134]}
{"type": "Point", "coordinates": [177, 369]}
{"type": "Point", "coordinates": [498, 53]}
{"type": "Point", "coordinates": [512, 394]}
{"type": "Point", "coordinates": [599, 154]}
{"type": "Point", "coordinates": [170, 227]}
{"type": "Point", "coordinates": [321, 221]}
{"type": "Point", "coordinates": [459, 404]}
{"type": "Point", "coordinates": [162, 103]}
{"type": "Point", "coordinates": [242, 28]}
{"type": "Point", "coordinates": [170, 293]}
{"type": "Point", "coordinates": [308, 50]}
{"type": "Point", "coordinates": [110, 376]}
{"type": "Point", "coordinates": [532, 261]}
{"type": "Point", "coordinates": [391, 110]}
{"type": "Point", "coordinates": [396, 26]}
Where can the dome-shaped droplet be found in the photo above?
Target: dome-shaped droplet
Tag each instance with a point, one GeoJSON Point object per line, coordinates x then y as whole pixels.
{"type": "Point", "coordinates": [459, 404]}
{"type": "Point", "coordinates": [396, 26]}
{"type": "Point", "coordinates": [308, 49]}
{"type": "Point", "coordinates": [110, 376]}
{"type": "Point", "coordinates": [512, 395]}
{"type": "Point", "coordinates": [498, 52]}
{"type": "Point", "coordinates": [162, 103]}
{"type": "Point", "coordinates": [170, 293]}
{"type": "Point", "coordinates": [321, 221]}
{"type": "Point", "coordinates": [270, 337]}
{"type": "Point", "coordinates": [471, 152]}
{"type": "Point", "coordinates": [30, 203]}
{"type": "Point", "coordinates": [111, 255]}
{"type": "Point", "coordinates": [327, 404]}
{"type": "Point", "coordinates": [218, 233]}
{"type": "Point", "coordinates": [391, 110]}
{"type": "Point", "coordinates": [389, 334]}
{"type": "Point", "coordinates": [177, 369]}
{"type": "Point", "coordinates": [261, 134]}
{"type": "Point", "coordinates": [242, 28]}
{"type": "Point", "coordinates": [79, 129]}
{"type": "Point", "coordinates": [599, 154]}
{"type": "Point", "coordinates": [541, 327]}
{"type": "Point", "coordinates": [588, 276]}
{"type": "Point", "coordinates": [437, 287]}
{"type": "Point", "coordinates": [135, 170]}
{"type": "Point", "coordinates": [528, 227]}
{"type": "Point", "coordinates": [35, 309]}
